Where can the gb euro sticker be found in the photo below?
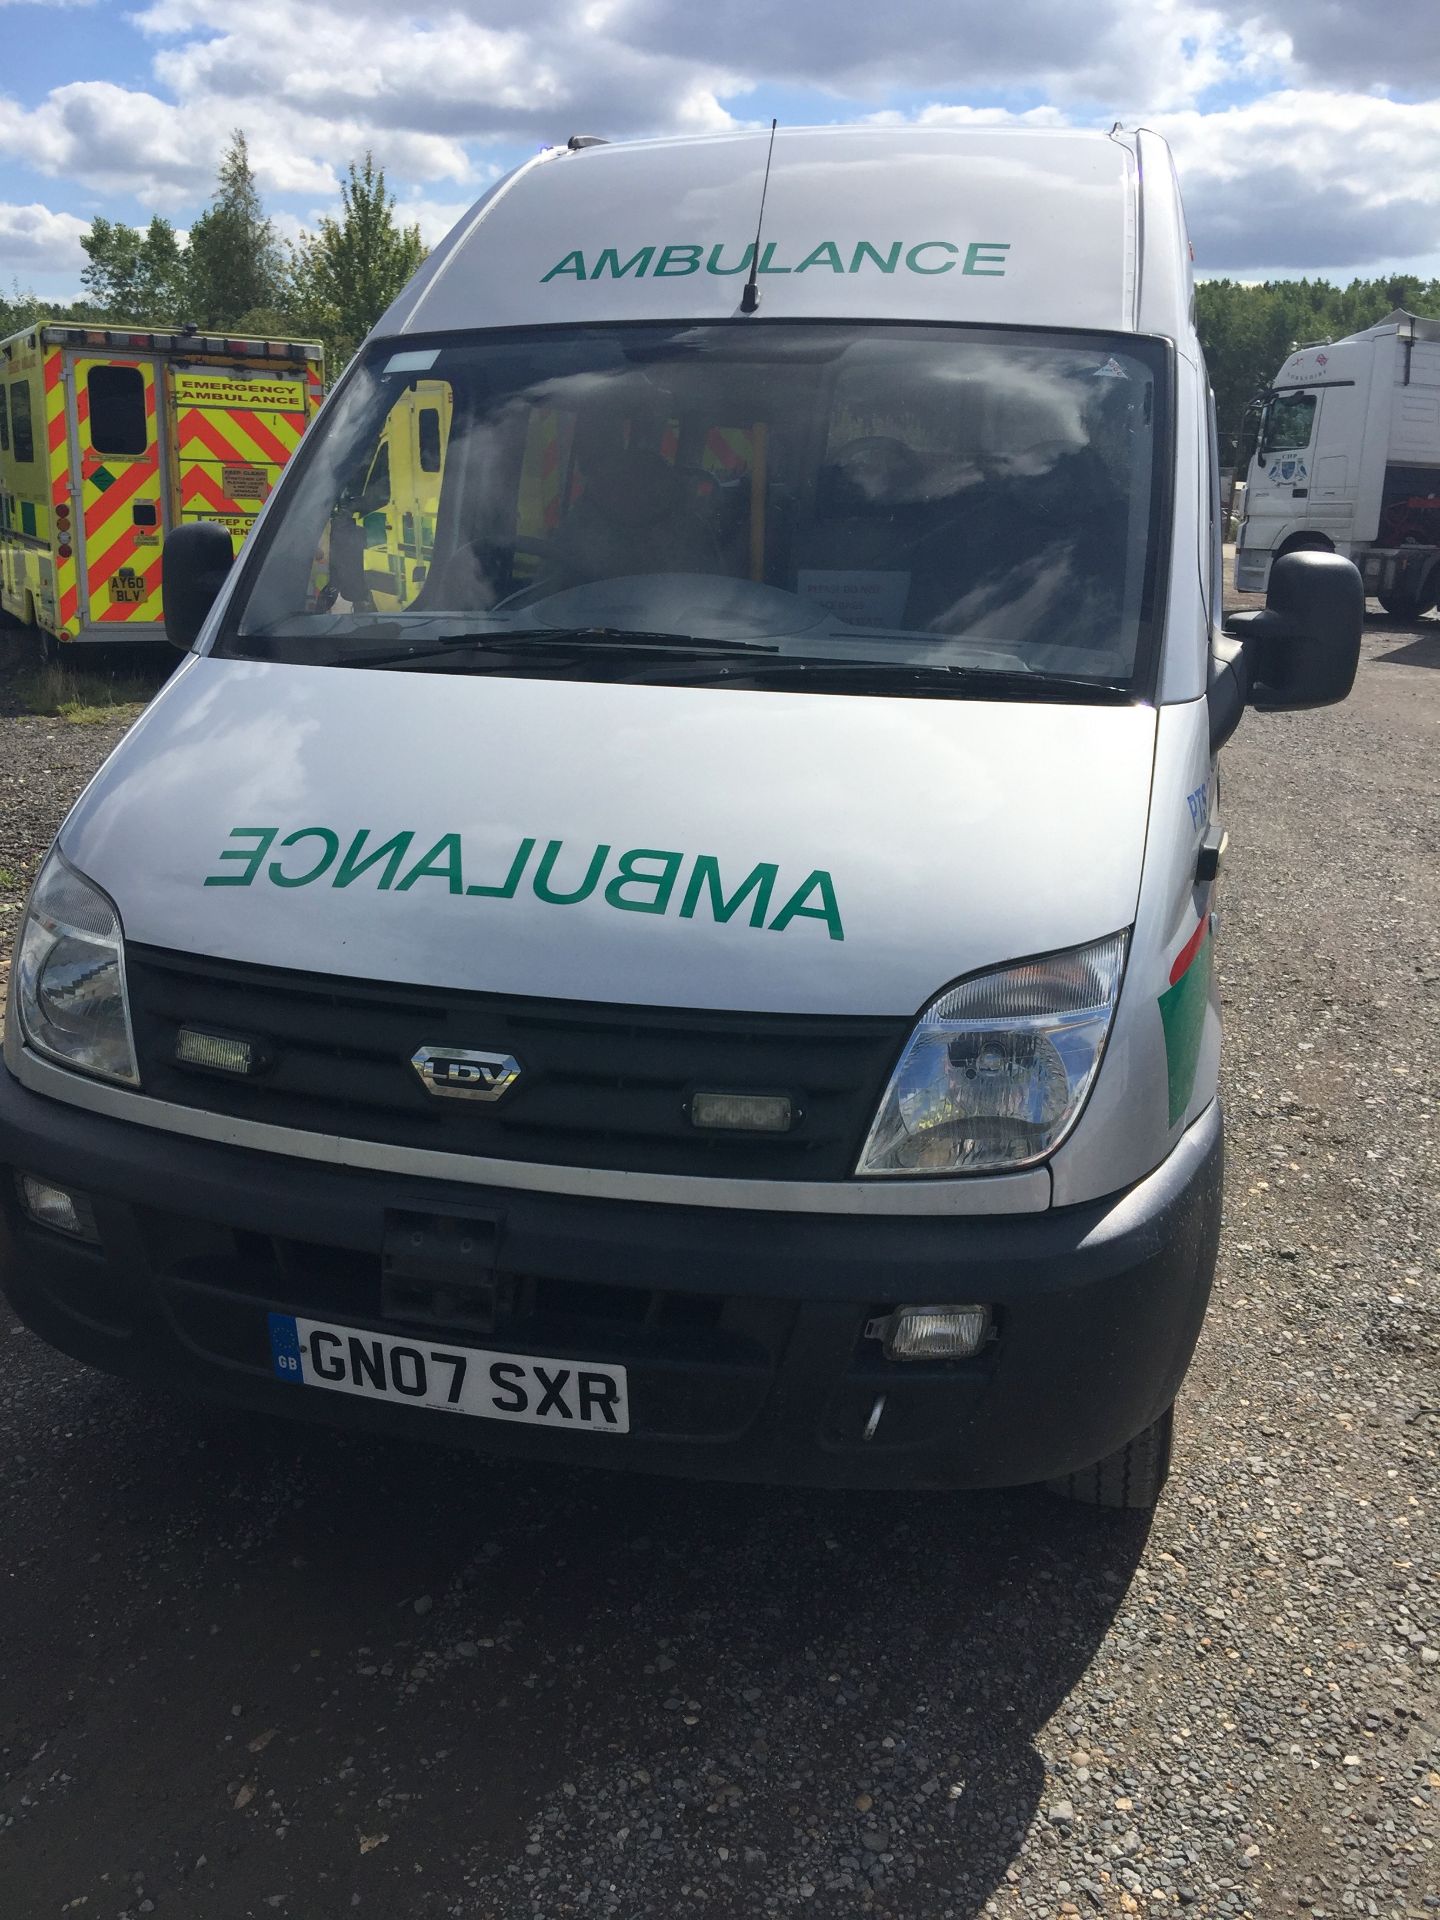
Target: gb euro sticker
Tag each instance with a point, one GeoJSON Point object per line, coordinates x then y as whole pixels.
{"type": "Point", "coordinates": [639, 880]}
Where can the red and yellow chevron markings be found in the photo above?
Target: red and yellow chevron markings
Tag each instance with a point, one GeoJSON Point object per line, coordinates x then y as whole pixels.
{"type": "Point", "coordinates": [67, 575]}
{"type": "Point", "coordinates": [240, 437]}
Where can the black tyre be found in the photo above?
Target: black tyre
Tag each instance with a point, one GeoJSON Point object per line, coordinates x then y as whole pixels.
{"type": "Point", "coordinates": [1405, 605]}
{"type": "Point", "coordinates": [1132, 1477]}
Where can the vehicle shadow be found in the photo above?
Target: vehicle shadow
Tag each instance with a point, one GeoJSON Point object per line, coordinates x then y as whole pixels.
{"type": "Point", "coordinates": [1421, 652]}
{"type": "Point", "coordinates": [756, 1689]}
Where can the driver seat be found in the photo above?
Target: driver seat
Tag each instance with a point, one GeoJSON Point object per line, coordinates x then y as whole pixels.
{"type": "Point", "coordinates": [636, 515]}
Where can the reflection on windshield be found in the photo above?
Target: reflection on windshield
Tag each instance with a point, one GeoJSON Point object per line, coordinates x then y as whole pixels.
{"type": "Point", "coordinates": [884, 494]}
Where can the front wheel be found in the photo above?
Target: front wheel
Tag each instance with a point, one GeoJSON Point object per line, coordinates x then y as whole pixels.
{"type": "Point", "coordinates": [1133, 1476]}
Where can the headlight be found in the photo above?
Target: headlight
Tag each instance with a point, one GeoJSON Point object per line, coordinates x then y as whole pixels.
{"type": "Point", "coordinates": [997, 1069]}
{"type": "Point", "coordinates": [70, 976]}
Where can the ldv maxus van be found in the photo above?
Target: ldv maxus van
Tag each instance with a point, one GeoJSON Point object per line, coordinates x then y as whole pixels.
{"type": "Point", "coordinates": [667, 917]}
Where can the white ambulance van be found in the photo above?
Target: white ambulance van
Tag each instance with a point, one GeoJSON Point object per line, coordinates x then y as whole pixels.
{"type": "Point", "coordinates": [708, 968]}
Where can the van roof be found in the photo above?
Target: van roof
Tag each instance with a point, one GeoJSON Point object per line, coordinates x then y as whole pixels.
{"type": "Point", "coordinates": [1037, 227]}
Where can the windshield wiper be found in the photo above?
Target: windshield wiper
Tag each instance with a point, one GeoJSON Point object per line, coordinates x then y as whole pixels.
{"type": "Point", "coordinates": [935, 678]}
{"type": "Point", "coordinates": [549, 640]}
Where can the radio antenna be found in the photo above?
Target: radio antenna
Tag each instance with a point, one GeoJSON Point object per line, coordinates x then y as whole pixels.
{"type": "Point", "coordinates": [750, 298]}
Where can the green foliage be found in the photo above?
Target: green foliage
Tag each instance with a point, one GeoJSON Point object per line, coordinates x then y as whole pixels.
{"type": "Point", "coordinates": [133, 275]}
{"type": "Point", "coordinates": [19, 309]}
{"type": "Point", "coordinates": [348, 273]}
{"type": "Point", "coordinates": [236, 275]}
{"type": "Point", "coordinates": [234, 262]}
{"type": "Point", "coordinates": [1249, 331]}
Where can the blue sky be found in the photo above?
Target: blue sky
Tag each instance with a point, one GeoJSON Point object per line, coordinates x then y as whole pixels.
{"type": "Point", "coordinates": [1299, 150]}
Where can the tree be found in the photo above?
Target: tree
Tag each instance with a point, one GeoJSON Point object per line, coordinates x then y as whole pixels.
{"type": "Point", "coordinates": [348, 273]}
{"type": "Point", "coordinates": [19, 308]}
{"type": "Point", "coordinates": [132, 275]}
{"type": "Point", "coordinates": [234, 264]}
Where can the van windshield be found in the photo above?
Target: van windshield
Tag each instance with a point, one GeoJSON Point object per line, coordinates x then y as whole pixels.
{"type": "Point", "coordinates": [887, 502]}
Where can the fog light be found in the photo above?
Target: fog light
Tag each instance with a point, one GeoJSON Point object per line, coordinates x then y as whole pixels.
{"type": "Point", "coordinates": [215, 1050]}
{"type": "Point", "coordinates": [53, 1207]}
{"type": "Point", "coordinates": [742, 1112]}
{"type": "Point", "coordinates": [932, 1333]}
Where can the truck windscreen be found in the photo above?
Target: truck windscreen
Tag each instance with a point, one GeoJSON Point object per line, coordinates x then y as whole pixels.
{"type": "Point", "coordinates": [864, 495]}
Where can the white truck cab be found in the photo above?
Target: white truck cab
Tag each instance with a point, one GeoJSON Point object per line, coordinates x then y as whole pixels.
{"type": "Point", "coordinates": [707, 966]}
{"type": "Point", "coordinates": [1347, 460]}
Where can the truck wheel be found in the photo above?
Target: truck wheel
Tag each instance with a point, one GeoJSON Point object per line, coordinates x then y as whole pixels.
{"type": "Point", "coordinates": [1133, 1476]}
{"type": "Point", "coordinates": [1406, 603]}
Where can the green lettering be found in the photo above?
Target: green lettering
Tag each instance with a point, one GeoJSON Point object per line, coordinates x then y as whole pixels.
{"type": "Point", "coordinates": [912, 258]}
{"type": "Point", "coordinates": [564, 266]}
{"type": "Point", "coordinates": [332, 847]}
{"type": "Point", "coordinates": [252, 856]}
{"type": "Point", "coordinates": [826, 254]}
{"type": "Point", "coordinates": [512, 879]}
{"type": "Point", "coordinates": [706, 873]}
{"type": "Point", "coordinates": [609, 262]}
{"type": "Point", "coordinates": [992, 252]}
{"type": "Point", "coordinates": [712, 265]}
{"type": "Point", "coordinates": [768, 256]}
{"type": "Point", "coordinates": [432, 867]}
{"type": "Point", "coordinates": [392, 852]}
{"type": "Point", "coordinates": [828, 911]}
{"type": "Point", "coordinates": [887, 262]}
{"type": "Point", "coordinates": [663, 882]}
{"type": "Point", "coordinates": [690, 264]}
{"type": "Point", "coordinates": [543, 890]}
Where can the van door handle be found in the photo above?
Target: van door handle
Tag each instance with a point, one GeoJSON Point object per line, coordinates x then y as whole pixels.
{"type": "Point", "coordinates": [1300, 493]}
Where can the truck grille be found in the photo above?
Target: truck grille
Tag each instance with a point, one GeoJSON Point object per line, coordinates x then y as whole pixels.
{"type": "Point", "coordinates": [601, 1085]}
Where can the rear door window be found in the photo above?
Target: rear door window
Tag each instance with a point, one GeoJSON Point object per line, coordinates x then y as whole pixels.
{"type": "Point", "coordinates": [20, 420]}
{"type": "Point", "coordinates": [117, 410]}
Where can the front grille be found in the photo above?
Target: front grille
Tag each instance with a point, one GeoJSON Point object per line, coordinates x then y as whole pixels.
{"type": "Point", "coordinates": [601, 1086]}
{"type": "Point", "coordinates": [701, 1364]}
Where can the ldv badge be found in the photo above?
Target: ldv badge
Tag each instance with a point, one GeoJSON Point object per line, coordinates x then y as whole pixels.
{"type": "Point", "coordinates": [455, 1073]}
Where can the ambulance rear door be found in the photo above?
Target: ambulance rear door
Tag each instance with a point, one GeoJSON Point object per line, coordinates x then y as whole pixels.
{"type": "Point", "coordinates": [117, 469]}
{"type": "Point", "coordinates": [235, 427]}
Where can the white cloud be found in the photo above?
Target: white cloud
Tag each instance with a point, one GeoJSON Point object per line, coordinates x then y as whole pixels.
{"type": "Point", "coordinates": [1164, 51]}
{"type": "Point", "coordinates": [35, 237]}
{"type": "Point", "coordinates": [1310, 181]}
{"type": "Point", "coordinates": [1392, 44]}
{"type": "Point", "coordinates": [116, 140]}
{"type": "Point", "coordinates": [434, 218]}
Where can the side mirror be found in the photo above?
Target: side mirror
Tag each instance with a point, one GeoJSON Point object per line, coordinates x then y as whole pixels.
{"type": "Point", "coordinates": [1301, 651]}
{"type": "Point", "coordinates": [193, 567]}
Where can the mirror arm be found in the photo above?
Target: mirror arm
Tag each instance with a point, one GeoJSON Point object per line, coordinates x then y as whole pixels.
{"type": "Point", "coordinates": [1229, 686]}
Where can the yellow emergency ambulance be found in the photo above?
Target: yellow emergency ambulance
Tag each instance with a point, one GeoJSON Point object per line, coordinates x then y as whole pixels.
{"type": "Point", "coordinates": [111, 436]}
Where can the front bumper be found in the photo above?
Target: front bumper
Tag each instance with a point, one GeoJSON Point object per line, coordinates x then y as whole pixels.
{"type": "Point", "coordinates": [742, 1332]}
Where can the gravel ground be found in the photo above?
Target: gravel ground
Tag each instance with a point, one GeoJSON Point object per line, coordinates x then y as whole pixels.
{"type": "Point", "coordinates": [256, 1670]}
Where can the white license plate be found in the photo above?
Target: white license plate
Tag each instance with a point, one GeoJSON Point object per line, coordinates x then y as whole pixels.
{"type": "Point", "coordinates": [578, 1395]}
